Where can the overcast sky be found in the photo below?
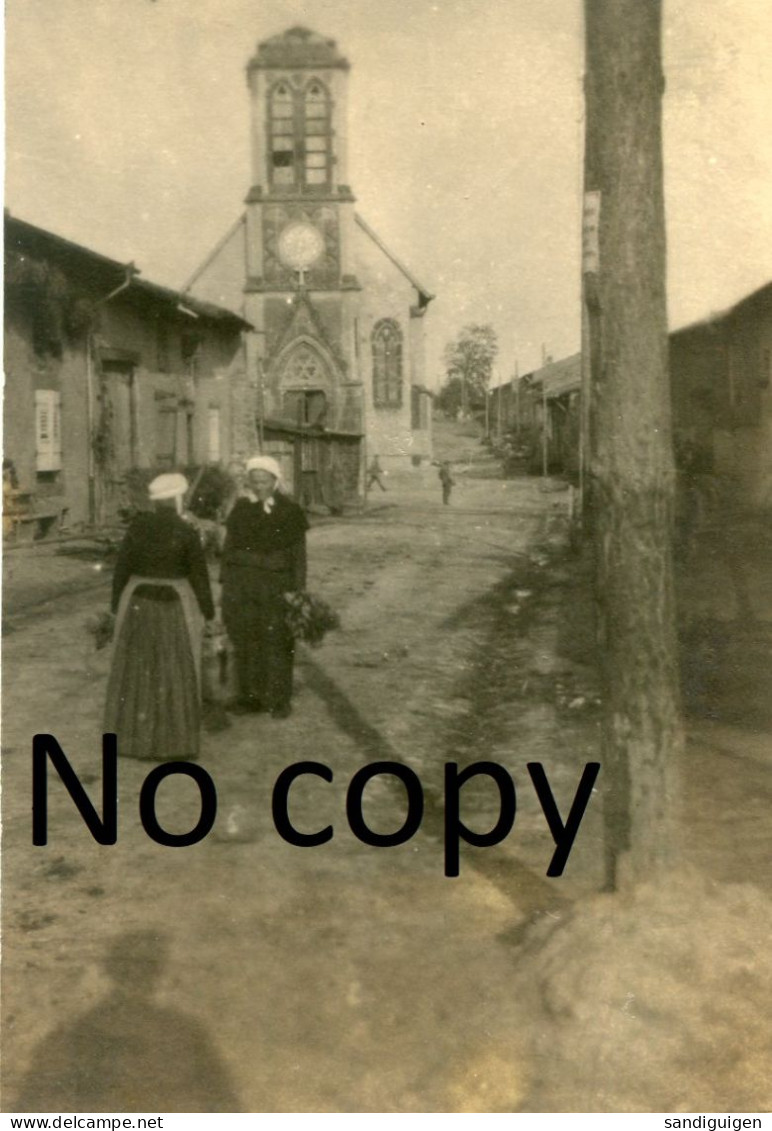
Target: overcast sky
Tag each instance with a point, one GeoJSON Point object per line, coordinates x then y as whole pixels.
{"type": "Point", "coordinates": [127, 131]}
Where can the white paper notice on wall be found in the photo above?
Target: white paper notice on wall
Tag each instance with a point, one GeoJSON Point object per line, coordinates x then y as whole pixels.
{"type": "Point", "coordinates": [590, 227]}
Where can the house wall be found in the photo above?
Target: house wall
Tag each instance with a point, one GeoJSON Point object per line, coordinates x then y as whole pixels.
{"type": "Point", "coordinates": [721, 378]}
{"type": "Point", "coordinates": [125, 328]}
{"type": "Point", "coordinates": [745, 451]}
{"type": "Point", "coordinates": [699, 391]}
{"type": "Point", "coordinates": [164, 380]}
{"type": "Point", "coordinates": [26, 371]}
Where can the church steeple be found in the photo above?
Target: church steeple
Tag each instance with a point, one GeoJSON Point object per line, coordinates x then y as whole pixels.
{"type": "Point", "coordinates": [337, 330]}
{"type": "Point", "coordinates": [300, 226]}
{"type": "Point", "coordinates": [298, 84]}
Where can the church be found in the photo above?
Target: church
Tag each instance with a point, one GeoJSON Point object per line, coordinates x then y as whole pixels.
{"type": "Point", "coordinates": [336, 354]}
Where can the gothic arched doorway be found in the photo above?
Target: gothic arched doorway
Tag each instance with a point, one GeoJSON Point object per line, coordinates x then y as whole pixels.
{"type": "Point", "coordinates": [305, 385]}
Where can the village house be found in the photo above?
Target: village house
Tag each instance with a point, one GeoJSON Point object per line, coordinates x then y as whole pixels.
{"type": "Point", "coordinates": [721, 395]}
{"type": "Point", "coordinates": [721, 381]}
{"type": "Point", "coordinates": [520, 408]}
{"type": "Point", "coordinates": [337, 351]}
{"type": "Point", "coordinates": [549, 407]}
{"type": "Point", "coordinates": [108, 374]}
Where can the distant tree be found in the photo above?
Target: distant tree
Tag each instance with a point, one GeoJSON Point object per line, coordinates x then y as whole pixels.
{"type": "Point", "coordinates": [449, 397]}
{"type": "Point", "coordinates": [469, 365]}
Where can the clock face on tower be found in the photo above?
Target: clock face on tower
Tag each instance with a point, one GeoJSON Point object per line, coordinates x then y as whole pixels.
{"type": "Point", "coordinates": [300, 244]}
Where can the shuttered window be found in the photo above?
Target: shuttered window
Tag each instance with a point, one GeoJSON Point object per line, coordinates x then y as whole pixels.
{"type": "Point", "coordinates": [48, 430]}
{"type": "Point", "coordinates": [213, 447]}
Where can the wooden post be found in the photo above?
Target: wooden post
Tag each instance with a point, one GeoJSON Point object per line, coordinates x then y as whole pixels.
{"type": "Point", "coordinates": [260, 405]}
{"type": "Point", "coordinates": [544, 455]}
{"type": "Point", "coordinates": [632, 479]}
{"type": "Point", "coordinates": [516, 380]}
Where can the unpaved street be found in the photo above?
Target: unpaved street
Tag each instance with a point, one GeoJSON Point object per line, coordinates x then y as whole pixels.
{"type": "Point", "coordinates": [247, 974]}
{"type": "Point", "coordinates": [342, 977]}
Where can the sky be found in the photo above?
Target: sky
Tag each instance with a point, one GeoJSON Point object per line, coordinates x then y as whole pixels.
{"type": "Point", "coordinates": [127, 131]}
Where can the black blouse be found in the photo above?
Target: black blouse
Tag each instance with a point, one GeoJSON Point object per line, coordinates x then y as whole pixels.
{"type": "Point", "coordinates": [161, 544]}
{"type": "Point", "coordinates": [257, 541]}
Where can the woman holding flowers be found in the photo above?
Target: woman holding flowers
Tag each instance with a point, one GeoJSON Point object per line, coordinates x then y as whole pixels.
{"type": "Point", "coordinates": [161, 593]}
{"type": "Point", "coordinates": [264, 559]}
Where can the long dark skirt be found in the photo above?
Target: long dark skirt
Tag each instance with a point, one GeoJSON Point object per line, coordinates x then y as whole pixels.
{"type": "Point", "coordinates": [152, 692]}
{"type": "Point", "coordinates": [255, 616]}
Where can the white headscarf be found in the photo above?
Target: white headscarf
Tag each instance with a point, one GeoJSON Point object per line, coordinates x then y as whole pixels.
{"type": "Point", "coordinates": [170, 485]}
{"type": "Point", "coordinates": [266, 463]}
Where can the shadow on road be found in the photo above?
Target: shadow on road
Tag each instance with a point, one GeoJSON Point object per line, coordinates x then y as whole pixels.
{"type": "Point", "coordinates": [128, 1054]}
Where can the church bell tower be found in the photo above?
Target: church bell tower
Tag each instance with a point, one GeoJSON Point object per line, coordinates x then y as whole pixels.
{"type": "Point", "coordinates": [300, 291]}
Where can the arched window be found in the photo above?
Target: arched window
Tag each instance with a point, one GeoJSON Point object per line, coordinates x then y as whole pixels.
{"type": "Point", "coordinates": [316, 135]}
{"type": "Point", "coordinates": [387, 363]}
{"type": "Point", "coordinates": [300, 135]}
{"type": "Point", "coordinates": [281, 119]}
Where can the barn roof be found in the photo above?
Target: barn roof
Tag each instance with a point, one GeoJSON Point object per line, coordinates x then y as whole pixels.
{"type": "Point", "coordinates": [102, 272]}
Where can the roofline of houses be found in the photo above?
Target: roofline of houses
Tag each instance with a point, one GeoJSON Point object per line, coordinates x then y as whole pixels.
{"type": "Point", "coordinates": [183, 303]}
{"type": "Point", "coordinates": [707, 323]}
{"type": "Point", "coordinates": [716, 319]}
{"type": "Point", "coordinates": [553, 375]}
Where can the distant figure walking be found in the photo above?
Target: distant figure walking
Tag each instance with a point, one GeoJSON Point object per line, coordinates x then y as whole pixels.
{"type": "Point", "coordinates": [375, 474]}
{"type": "Point", "coordinates": [447, 481]}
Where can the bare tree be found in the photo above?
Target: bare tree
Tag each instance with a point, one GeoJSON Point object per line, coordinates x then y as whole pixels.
{"type": "Point", "coordinates": [631, 474]}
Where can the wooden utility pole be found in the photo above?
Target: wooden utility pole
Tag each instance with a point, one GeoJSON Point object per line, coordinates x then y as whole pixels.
{"type": "Point", "coordinates": [516, 386]}
{"type": "Point", "coordinates": [544, 429]}
{"type": "Point", "coordinates": [631, 478]}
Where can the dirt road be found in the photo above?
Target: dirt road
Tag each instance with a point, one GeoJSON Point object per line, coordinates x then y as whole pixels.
{"type": "Point", "coordinates": [244, 973]}
{"type": "Point", "coordinates": [343, 977]}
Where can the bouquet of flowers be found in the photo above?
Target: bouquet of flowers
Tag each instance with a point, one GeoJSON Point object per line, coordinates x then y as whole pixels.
{"type": "Point", "coordinates": [101, 628]}
{"type": "Point", "coordinates": [309, 618]}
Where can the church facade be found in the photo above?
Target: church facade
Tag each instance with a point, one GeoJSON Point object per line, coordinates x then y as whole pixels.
{"type": "Point", "coordinates": [338, 341]}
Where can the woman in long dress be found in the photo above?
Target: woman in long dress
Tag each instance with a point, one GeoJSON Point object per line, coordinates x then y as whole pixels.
{"type": "Point", "coordinates": [264, 557]}
{"type": "Point", "coordinates": [161, 593]}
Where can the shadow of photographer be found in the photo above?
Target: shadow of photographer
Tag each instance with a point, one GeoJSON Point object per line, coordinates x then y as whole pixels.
{"type": "Point", "coordinates": [128, 1054]}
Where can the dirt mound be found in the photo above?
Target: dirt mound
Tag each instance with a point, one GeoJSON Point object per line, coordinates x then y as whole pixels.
{"type": "Point", "coordinates": [655, 1001]}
